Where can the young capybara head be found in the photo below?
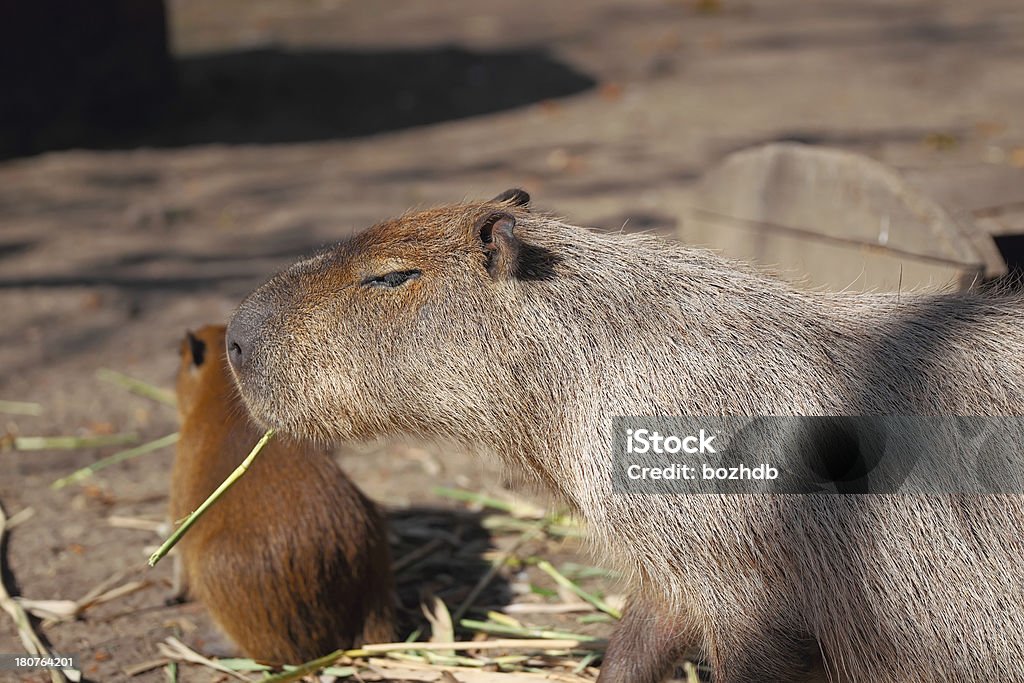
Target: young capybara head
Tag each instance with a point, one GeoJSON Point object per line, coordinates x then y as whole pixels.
{"type": "Point", "coordinates": [338, 345]}
{"type": "Point", "coordinates": [199, 368]}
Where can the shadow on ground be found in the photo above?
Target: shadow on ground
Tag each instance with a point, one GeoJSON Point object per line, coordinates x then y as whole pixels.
{"type": "Point", "coordinates": [441, 552]}
{"type": "Point", "coordinates": [279, 96]}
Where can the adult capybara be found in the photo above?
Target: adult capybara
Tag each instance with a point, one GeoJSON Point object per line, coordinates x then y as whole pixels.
{"type": "Point", "coordinates": [292, 561]}
{"type": "Point", "coordinates": [519, 335]}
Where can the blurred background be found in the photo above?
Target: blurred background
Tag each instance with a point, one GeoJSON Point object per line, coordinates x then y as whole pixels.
{"type": "Point", "coordinates": [159, 159]}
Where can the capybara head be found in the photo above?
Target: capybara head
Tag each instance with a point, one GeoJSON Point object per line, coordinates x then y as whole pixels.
{"type": "Point", "coordinates": [408, 326]}
{"type": "Point", "coordinates": [499, 329]}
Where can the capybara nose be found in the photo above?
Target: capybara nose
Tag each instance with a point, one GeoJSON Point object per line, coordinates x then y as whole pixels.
{"type": "Point", "coordinates": [237, 349]}
{"type": "Point", "coordinates": [241, 334]}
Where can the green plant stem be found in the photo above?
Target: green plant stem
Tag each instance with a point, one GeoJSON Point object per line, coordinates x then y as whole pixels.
{"type": "Point", "coordinates": [120, 456]}
{"type": "Point", "coordinates": [198, 512]}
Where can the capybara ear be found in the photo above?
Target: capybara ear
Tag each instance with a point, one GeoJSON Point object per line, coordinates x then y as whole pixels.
{"type": "Point", "coordinates": [501, 247]}
{"type": "Point", "coordinates": [197, 347]}
{"type": "Point", "coordinates": [513, 196]}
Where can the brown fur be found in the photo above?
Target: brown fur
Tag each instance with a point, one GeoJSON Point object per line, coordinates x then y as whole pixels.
{"type": "Point", "coordinates": [292, 561]}
{"type": "Point", "coordinates": [522, 336]}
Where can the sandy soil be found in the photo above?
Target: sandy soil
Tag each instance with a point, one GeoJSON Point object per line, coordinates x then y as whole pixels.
{"type": "Point", "coordinates": [302, 122]}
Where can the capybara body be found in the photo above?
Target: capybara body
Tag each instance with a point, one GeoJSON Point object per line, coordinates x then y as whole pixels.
{"type": "Point", "coordinates": [292, 561]}
{"type": "Point", "coordinates": [518, 335]}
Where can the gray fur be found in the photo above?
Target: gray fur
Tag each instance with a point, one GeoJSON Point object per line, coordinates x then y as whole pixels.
{"type": "Point", "coordinates": [531, 365]}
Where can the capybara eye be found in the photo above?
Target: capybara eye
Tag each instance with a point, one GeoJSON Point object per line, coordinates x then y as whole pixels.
{"type": "Point", "coordinates": [393, 279]}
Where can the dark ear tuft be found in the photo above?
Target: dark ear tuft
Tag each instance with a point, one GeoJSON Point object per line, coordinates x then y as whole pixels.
{"type": "Point", "coordinates": [514, 196]}
{"type": "Point", "coordinates": [499, 243]}
{"type": "Point", "coordinates": [198, 349]}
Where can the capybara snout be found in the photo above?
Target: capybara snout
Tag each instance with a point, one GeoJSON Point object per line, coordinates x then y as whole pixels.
{"type": "Point", "coordinates": [241, 336]}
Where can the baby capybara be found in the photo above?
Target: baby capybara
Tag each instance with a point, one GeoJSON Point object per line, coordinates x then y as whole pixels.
{"type": "Point", "coordinates": [292, 561]}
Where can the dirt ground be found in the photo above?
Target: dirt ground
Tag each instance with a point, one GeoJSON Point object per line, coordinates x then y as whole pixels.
{"type": "Point", "coordinates": [302, 122]}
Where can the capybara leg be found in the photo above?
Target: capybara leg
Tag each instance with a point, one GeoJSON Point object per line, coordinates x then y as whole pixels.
{"type": "Point", "coordinates": [764, 655]}
{"type": "Point", "coordinates": [179, 582]}
{"type": "Point", "coordinates": [646, 644]}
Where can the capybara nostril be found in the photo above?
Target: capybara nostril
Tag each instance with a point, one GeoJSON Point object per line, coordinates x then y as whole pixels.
{"type": "Point", "coordinates": [242, 333]}
{"type": "Point", "coordinates": [235, 353]}
{"type": "Point", "coordinates": [237, 346]}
